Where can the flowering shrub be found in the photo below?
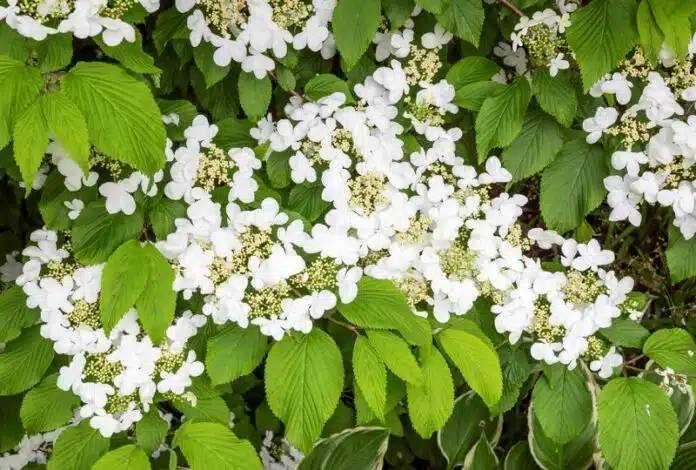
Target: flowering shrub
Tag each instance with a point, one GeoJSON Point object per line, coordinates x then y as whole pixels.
{"type": "Point", "coordinates": [359, 234]}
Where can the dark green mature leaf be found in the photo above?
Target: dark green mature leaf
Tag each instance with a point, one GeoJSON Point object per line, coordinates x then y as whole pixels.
{"type": "Point", "coordinates": [473, 95]}
{"type": "Point", "coordinates": [520, 458]}
{"type": "Point", "coordinates": [234, 133]}
{"type": "Point", "coordinates": [213, 73]}
{"type": "Point", "coordinates": [182, 108]}
{"type": "Point", "coordinates": [14, 314]}
{"type": "Point", "coordinates": [131, 54]}
{"type": "Point", "coordinates": [430, 403]}
{"type": "Point", "coordinates": [577, 178]}
{"type": "Point", "coordinates": [304, 380]}
{"type": "Point", "coordinates": [278, 169]}
{"type": "Point", "coordinates": [24, 361]}
{"type": "Point", "coordinates": [501, 116]}
{"type": "Point", "coordinates": [463, 18]}
{"type": "Point", "coordinates": [11, 432]}
{"type": "Point", "coordinates": [234, 352]}
{"type": "Point", "coordinates": [326, 84]}
{"type": "Point", "coordinates": [123, 119]}
{"type": "Point", "coordinates": [306, 200]}
{"type": "Point", "coordinates": [516, 367]}
{"type": "Point", "coordinates": [626, 332]}
{"type": "Point", "coordinates": [685, 457]}
{"type": "Point", "coordinates": [157, 302]}
{"type": "Point", "coordinates": [358, 448]}
{"type": "Point", "coordinates": [78, 448]}
{"type": "Point", "coordinates": [482, 456]}
{"type": "Point", "coordinates": [601, 34]}
{"type": "Point", "coordinates": [170, 25]}
{"type": "Point", "coordinates": [129, 457]}
{"type": "Point", "coordinates": [354, 24]}
{"type": "Point", "coordinates": [555, 95]}
{"type": "Point", "coordinates": [162, 215]}
{"type": "Point", "coordinates": [46, 407]}
{"type": "Point", "coordinates": [151, 431]}
{"type": "Point", "coordinates": [681, 256]}
{"type": "Point", "coordinates": [672, 16]}
{"type": "Point", "coordinates": [397, 11]}
{"type": "Point", "coordinates": [637, 425]}
{"type": "Point", "coordinates": [371, 376]}
{"type": "Point", "coordinates": [254, 95]}
{"type": "Point", "coordinates": [30, 141]}
{"type": "Point", "coordinates": [674, 348]}
{"type": "Point", "coordinates": [68, 125]}
{"type": "Point", "coordinates": [550, 455]}
{"type": "Point", "coordinates": [651, 38]}
{"type": "Point", "coordinates": [471, 70]}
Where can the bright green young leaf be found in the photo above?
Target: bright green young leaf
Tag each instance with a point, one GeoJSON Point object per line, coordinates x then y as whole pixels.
{"type": "Point", "coordinates": [234, 352]}
{"type": "Point", "coordinates": [381, 305]}
{"type": "Point", "coordinates": [564, 405]}
{"type": "Point", "coordinates": [14, 314]}
{"type": "Point", "coordinates": [304, 381]}
{"type": "Point", "coordinates": [211, 409]}
{"type": "Point", "coordinates": [672, 16]}
{"type": "Point", "coordinates": [482, 456]}
{"type": "Point", "coordinates": [371, 376]}
{"type": "Point", "coordinates": [681, 256]}
{"type": "Point", "coordinates": [430, 404]}
{"type": "Point", "coordinates": [212, 446]}
{"type": "Point", "coordinates": [78, 448]}
{"type": "Point", "coordinates": [395, 353]}
{"type": "Point", "coordinates": [326, 84]}
{"type": "Point", "coordinates": [129, 457]}
{"type": "Point", "coordinates": [354, 24]}
{"type": "Point", "coordinates": [464, 18]}
{"type": "Point", "coordinates": [131, 54]}
{"type": "Point", "coordinates": [555, 95]}
{"type": "Point", "coordinates": [20, 87]}
{"type": "Point", "coordinates": [123, 119]}
{"type": "Point", "coordinates": [24, 361]}
{"type": "Point", "coordinates": [254, 95]}
{"type": "Point", "coordinates": [577, 178]}
{"type": "Point", "coordinates": [651, 38]}
{"type": "Point", "coordinates": [501, 116]}
{"type": "Point", "coordinates": [358, 448]}
{"type": "Point", "coordinates": [30, 141]}
{"type": "Point", "coordinates": [477, 361]}
{"type": "Point", "coordinates": [150, 431]}
{"type": "Point", "coordinates": [601, 34]}
{"type": "Point", "coordinates": [67, 123]}
{"type": "Point", "coordinates": [626, 332]}
{"type": "Point", "coordinates": [46, 407]}
{"type": "Point", "coordinates": [520, 458]}
{"type": "Point", "coordinates": [157, 301]}
{"type": "Point", "coordinates": [125, 280]}
{"type": "Point", "coordinates": [55, 52]}
{"type": "Point", "coordinates": [637, 425]}
{"type": "Point", "coordinates": [535, 148]}
{"type": "Point", "coordinates": [551, 455]}
{"type": "Point", "coordinates": [473, 95]}
{"type": "Point", "coordinates": [674, 348]}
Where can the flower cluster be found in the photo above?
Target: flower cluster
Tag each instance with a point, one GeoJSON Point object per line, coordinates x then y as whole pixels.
{"type": "Point", "coordinates": [37, 19]}
{"type": "Point", "coordinates": [653, 134]}
{"type": "Point", "coordinates": [116, 373]}
{"type": "Point", "coordinates": [248, 31]}
{"type": "Point", "coordinates": [30, 450]}
{"type": "Point", "coordinates": [278, 454]}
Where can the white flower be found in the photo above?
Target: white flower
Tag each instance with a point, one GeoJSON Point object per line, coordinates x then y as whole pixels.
{"type": "Point", "coordinates": [558, 63]}
{"type": "Point", "coordinates": [605, 366]}
{"type": "Point", "coordinates": [545, 239]}
{"type": "Point", "coordinates": [631, 161]}
{"type": "Point", "coordinates": [201, 131]}
{"type": "Point", "coordinates": [119, 196]}
{"type": "Point", "coordinates": [75, 208]}
{"type": "Point", "coordinates": [618, 85]}
{"type": "Point", "coordinates": [348, 283]}
{"type": "Point", "coordinates": [603, 119]}
{"type": "Point", "coordinates": [116, 31]}
{"type": "Point", "coordinates": [546, 352]}
{"type": "Point", "coordinates": [438, 38]}
{"type": "Point", "coordinates": [258, 64]}
{"type": "Point", "coordinates": [312, 36]}
{"type": "Point", "coordinates": [591, 256]}
{"type": "Point", "coordinates": [227, 50]}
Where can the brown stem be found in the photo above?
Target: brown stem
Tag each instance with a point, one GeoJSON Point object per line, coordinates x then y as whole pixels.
{"type": "Point", "coordinates": [345, 325]}
{"type": "Point", "coordinates": [512, 7]}
{"type": "Point", "coordinates": [635, 359]}
{"type": "Point", "coordinates": [275, 79]}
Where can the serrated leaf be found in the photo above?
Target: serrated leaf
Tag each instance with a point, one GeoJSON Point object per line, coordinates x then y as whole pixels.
{"type": "Point", "coordinates": [24, 361]}
{"type": "Point", "coordinates": [575, 177]}
{"type": "Point", "coordinates": [371, 376]}
{"type": "Point", "coordinates": [397, 12]}
{"type": "Point", "coordinates": [555, 95]}
{"type": "Point", "coordinates": [20, 87]}
{"type": "Point", "coordinates": [482, 456]}
{"type": "Point", "coordinates": [359, 448]}
{"type": "Point", "coordinates": [470, 70]}
{"type": "Point", "coordinates": [211, 409]}
{"type": "Point", "coordinates": [307, 201]}
{"type": "Point", "coordinates": [278, 169]}
{"type": "Point", "coordinates": [637, 425]}
{"type": "Point", "coordinates": [129, 457]}
{"type": "Point", "coordinates": [123, 119]}
{"type": "Point", "coordinates": [674, 348]}
{"type": "Point", "coordinates": [15, 316]}
{"type": "Point", "coordinates": [157, 301]}
{"type": "Point", "coordinates": [672, 16]}
{"type": "Point", "coordinates": [46, 407]}
{"type": "Point", "coordinates": [209, 446]}
{"type": "Point", "coordinates": [397, 356]}
{"type": "Point", "coordinates": [68, 125]}
{"type": "Point", "coordinates": [124, 279]}
{"type": "Point", "coordinates": [203, 56]}
{"type": "Point", "coordinates": [170, 25]}
{"type": "Point", "coordinates": [304, 381]}
{"type": "Point", "coordinates": [150, 431]}
{"type": "Point", "coordinates": [354, 24]}
{"type": "Point", "coordinates": [30, 138]}
{"type": "Point", "coordinates": [473, 95]}
{"type": "Point", "coordinates": [234, 133]}
{"type": "Point", "coordinates": [651, 38]}
{"type": "Point", "coordinates": [550, 455]}
{"type": "Point", "coordinates": [254, 95]}
{"type": "Point", "coordinates": [182, 108]}
{"type": "Point", "coordinates": [326, 84]}
{"type": "Point", "coordinates": [78, 448]}
{"type": "Point", "coordinates": [55, 52]}
{"type": "Point", "coordinates": [626, 332]}
{"type": "Point", "coordinates": [501, 116]}
{"type": "Point", "coordinates": [234, 352]}
{"type": "Point", "coordinates": [601, 34]}
{"type": "Point", "coordinates": [130, 54]}
{"type": "Point", "coordinates": [12, 431]}
{"type": "Point", "coordinates": [430, 404]}
{"type": "Point", "coordinates": [477, 361]}
{"type": "Point", "coordinates": [464, 18]}
{"type": "Point", "coordinates": [162, 215]}
{"type": "Point", "coordinates": [681, 256]}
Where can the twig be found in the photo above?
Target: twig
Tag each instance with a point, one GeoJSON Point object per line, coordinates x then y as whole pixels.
{"type": "Point", "coordinates": [345, 325]}
{"type": "Point", "coordinates": [635, 359]}
{"type": "Point", "coordinates": [512, 7]}
{"type": "Point", "coordinates": [275, 79]}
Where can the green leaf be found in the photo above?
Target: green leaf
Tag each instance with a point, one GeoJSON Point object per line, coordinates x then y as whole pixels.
{"type": "Point", "coordinates": [129, 457]}
{"type": "Point", "coordinates": [563, 405]}
{"type": "Point", "coordinates": [212, 446]}
{"type": "Point", "coordinates": [651, 38]}
{"type": "Point", "coordinates": [213, 73]}
{"type": "Point", "coordinates": [55, 52]}
{"type": "Point", "coordinates": [501, 116]}
{"type": "Point", "coordinates": [535, 148]}
{"type": "Point", "coordinates": [430, 404]}
{"type": "Point", "coordinates": [182, 108]}
{"type": "Point", "coordinates": [222, 99]}
{"type": "Point", "coordinates": [360, 448]}
{"type": "Point", "coordinates": [482, 456]}
{"type": "Point", "coordinates": [68, 125]}
{"type": "Point", "coordinates": [456, 438]}
{"type": "Point", "coordinates": [20, 87]}
{"type": "Point", "coordinates": [234, 133]}
{"type": "Point", "coordinates": [254, 95]}
{"type": "Point", "coordinates": [370, 375]}
{"type": "Point", "coordinates": [123, 119]}
{"type": "Point", "coordinates": [30, 141]}
{"type": "Point", "coordinates": [685, 457]}
{"type": "Point", "coordinates": [124, 279]}
{"type": "Point", "coordinates": [157, 302]}
{"type": "Point", "coordinates": [473, 95]}
{"type": "Point", "coordinates": [131, 54]}
{"type": "Point", "coordinates": [326, 84]}
{"type": "Point", "coordinates": [306, 200]}
{"type": "Point", "coordinates": [96, 233]}
{"type": "Point", "coordinates": [470, 70]}
{"type": "Point", "coordinates": [304, 381]}
{"type": "Point", "coordinates": [600, 35]}
{"type": "Point", "coordinates": [477, 361]}
{"type": "Point", "coordinates": [11, 432]}
{"type": "Point", "coordinates": [464, 18]}
{"type": "Point", "coordinates": [555, 95]}
{"type": "Point", "coordinates": [278, 169]}
{"type": "Point", "coordinates": [14, 314]}
{"type": "Point", "coordinates": [170, 25]}
{"type": "Point", "coordinates": [397, 356]}
{"type": "Point", "coordinates": [550, 455]}
{"type": "Point", "coordinates": [520, 458]}
{"type": "Point", "coordinates": [673, 348]}
{"type": "Point", "coordinates": [577, 178]}
{"type": "Point", "coordinates": [46, 407]}
{"type": "Point", "coordinates": [151, 431]}
{"type": "Point", "coordinates": [672, 16]}
{"type": "Point", "coordinates": [162, 215]}
{"type": "Point", "coordinates": [433, 6]}
{"type": "Point", "coordinates": [626, 332]}
{"type": "Point", "coordinates": [78, 448]}
{"type": "Point", "coordinates": [24, 361]}
{"type": "Point", "coordinates": [211, 409]}
{"type": "Point", "coordinates": [681, 256]}
{"type": "Point", "coordinates": [234, 352]}
{"type": "Point", "coordinates": [381, 305]}
{"type": "Point", "coordinates": [354, 24]}
{"type": "Point", "coordinates": [637, 425]}
{"type": "Point", "coordinates": [286, 78]}
{"type": "Point", "coordinates": [397, 12]}
{"type": "Point", "coordinates": [516, 370]}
